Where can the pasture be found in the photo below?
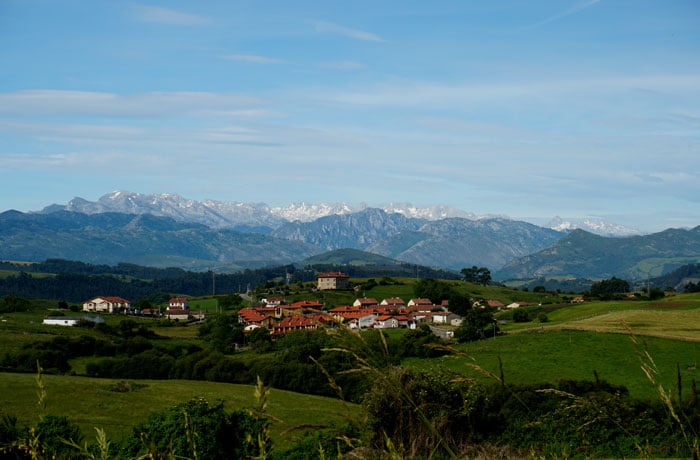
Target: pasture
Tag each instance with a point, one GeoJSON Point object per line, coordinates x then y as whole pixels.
{"type": "Point", "coordinates": [104, 403]}
{"type": "Point", "coordinates": [607, 338]}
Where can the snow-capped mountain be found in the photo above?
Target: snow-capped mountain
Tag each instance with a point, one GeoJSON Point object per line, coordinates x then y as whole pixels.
{"type": "Point", "coordinates": [222, 214]}
{"type": "Point", "coordinates": [308, 212]}
{"type": "Point", "coordinates": [593, 225]}
{"type": "Point", "coordinates": [234, 214]}
{"type": "Point", "coordinates": [212, 213]}
{"type": "Point", "coordinates": [429, 212]}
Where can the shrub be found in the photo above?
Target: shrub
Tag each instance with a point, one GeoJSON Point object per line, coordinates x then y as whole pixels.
{"type": "Point", "coordinates": [195, 429]}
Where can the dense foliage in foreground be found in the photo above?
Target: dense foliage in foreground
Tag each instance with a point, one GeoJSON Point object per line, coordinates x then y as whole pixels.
{"type": "Point", "coordinates": [409, 414]}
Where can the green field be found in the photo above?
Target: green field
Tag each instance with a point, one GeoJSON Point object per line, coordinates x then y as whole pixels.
{"type": "Point", "coordinates": [92, 403]}
{"type": "Point", "coordinates": [579, 340]}
{"type": "Point", "coordinates": [541, 357]}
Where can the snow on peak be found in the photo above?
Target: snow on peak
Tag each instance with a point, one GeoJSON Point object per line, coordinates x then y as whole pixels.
{"type": "Point", "coordinates": [591, 224]}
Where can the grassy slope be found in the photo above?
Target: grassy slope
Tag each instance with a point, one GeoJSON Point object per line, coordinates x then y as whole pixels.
{"type": "Point", "coordinates": [551, 355]}
{"type": "Point", "coordinates": [572, 345]}
{"type": "Point", "coordinates": [90, 403]}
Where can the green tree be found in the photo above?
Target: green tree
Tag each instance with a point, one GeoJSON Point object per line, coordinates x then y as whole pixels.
{"type": "Point", "coordinates": [143, 304]}
{"type": "Point", "coordinates": [221, 331]}
{"type": "Point", "coordinates": [477, 324]}
{"type": "Point", "coordinates": [259, 338]}
{"type": "Point", "coordinates": [430, 288]}
{"type": "Point", "coordinates": [610, 287]}
{"type": "Point", "coordinates": [230, 301]}
{"type": "Point", "coordinates": [459, 303]}
{"type": "Point", "coordinates": [478, 275]}
{"type": "Point", "coordinates": [520, 315]}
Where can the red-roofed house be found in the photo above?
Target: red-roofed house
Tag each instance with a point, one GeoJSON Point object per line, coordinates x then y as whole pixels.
{"type": "Point", "coordinates": [332, 280]}
{"type": "Point", "coordinates": [386, 322]}
{"type": "Point", "coordinates": [396, 302]}
{"type": "Point", "coordinates": [495, 304]}
{"type": "Point", "coordinates": [178, 308]}
{"type": "Point", "coordinates": [273, 301]}
{"type": "Point", "coordinates": [365, 302]}
{"type": "Point", "coordinates": [420, 305]}
{"type": "Point", "coordinates": [179, 303]}
{"type": "Point", "coordinates": [250, 316]}
{"type": "Point", "coordinates": [293, 323]}
{"type": "Point", "coordinates": [405, 321]}
{"type": "Point", "coordinates": [107, 304]}
{"type": "Point", "coordinates": [298, 308]}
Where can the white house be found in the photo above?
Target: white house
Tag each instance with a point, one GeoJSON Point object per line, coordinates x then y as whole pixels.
{"type": "Point", "coordinates": [107, 304]}
{"type": "Point", "coordinates": [444, 317]}
{"type": "Point", "coordinates": [178, 309]}
{"type": "Point", "coordinates": [362, 322]}
{"type": "Point", "coordinates": [386, 322]}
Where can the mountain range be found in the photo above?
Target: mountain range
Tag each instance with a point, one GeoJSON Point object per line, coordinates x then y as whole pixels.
{"type": "Point", "coordinates": [169, 231]}
{"type": "Point", "coordinates": [262, 218]}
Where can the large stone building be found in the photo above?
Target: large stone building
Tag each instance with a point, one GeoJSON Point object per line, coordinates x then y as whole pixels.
{"type": "Point", "coordinates": [333, 280]}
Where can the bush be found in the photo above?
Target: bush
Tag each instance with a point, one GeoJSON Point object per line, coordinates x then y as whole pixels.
{"type": "Point", "coordinates": [51, 431]}
{"type": "Point", "coordinates": [195, 429]}
{"type": "Point", "coordinates": [520, 315]}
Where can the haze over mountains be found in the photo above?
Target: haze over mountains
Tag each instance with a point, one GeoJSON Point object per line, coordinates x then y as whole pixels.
{"type": "Point", "coordinates": [167, 230]}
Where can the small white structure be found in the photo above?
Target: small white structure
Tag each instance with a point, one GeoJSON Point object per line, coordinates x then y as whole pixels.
{"type": "Point", "coordinates": [61, 320]}
{"type": "Point", "coordinates": [69, 320]}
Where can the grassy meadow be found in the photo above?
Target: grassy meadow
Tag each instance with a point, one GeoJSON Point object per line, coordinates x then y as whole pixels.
{"type": "Point", "coordinates": [577, 341]}
{"type": "Point", "coordinates": [95, 403]}
{"type": "Point", "coordinates": [550, 355]}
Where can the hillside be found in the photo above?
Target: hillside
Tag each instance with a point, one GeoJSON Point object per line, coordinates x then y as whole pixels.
{"type": "Point", "coordinates": [585, 255]}
{"type": "Point", "coordinates": [110, 238]}
{"type": "Point", "coordinates": [94, 403]}
{"type": "Point", "coordinates": [457, 243]}
{"type": "Point", "coordinates": [358, 230]}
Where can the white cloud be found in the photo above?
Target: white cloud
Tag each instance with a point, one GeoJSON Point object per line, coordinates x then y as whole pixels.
{"type": "Point", "coordinates": [161, 15]}
{"type": "Point", "coordinates": [51, 102]}
{"type": "Point", "coordinates": [358, 34]}
{"type": "Point", "coordinates": [253, 58]}
{"type": "Point", "coordinates": [582, 5]}
{"type": "Point", "coordinates": [343, 65]}
{"type": "Point", "coordinates": [408, 93]}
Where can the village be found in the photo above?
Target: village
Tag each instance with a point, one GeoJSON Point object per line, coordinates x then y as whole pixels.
{"type": "Point", "coordinates": [279, 317]}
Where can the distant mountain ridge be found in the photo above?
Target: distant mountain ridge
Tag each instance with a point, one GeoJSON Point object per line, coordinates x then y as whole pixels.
{"type": "Point", "coordinates": [510, 249]}
{"type": "Point", "coordinates": [262, 218]}
{"type": "Point", "coordinates": [110, 238]}
{"type": "Point", "coordinates": [168, 230]}
{"type": "Point", "coordinates": [220, 214]}
{"type": "Point", "coordinates": [585, 255]}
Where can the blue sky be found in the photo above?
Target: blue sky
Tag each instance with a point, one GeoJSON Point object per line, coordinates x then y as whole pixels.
{"type": "Point", "coordinates": [530, 109]}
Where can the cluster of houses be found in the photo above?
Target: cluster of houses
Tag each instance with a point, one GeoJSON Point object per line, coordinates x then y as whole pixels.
{"type": "Point", "coordinates": [279, 318]}
{"type": "Point", "coordinates": [178, 307]}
